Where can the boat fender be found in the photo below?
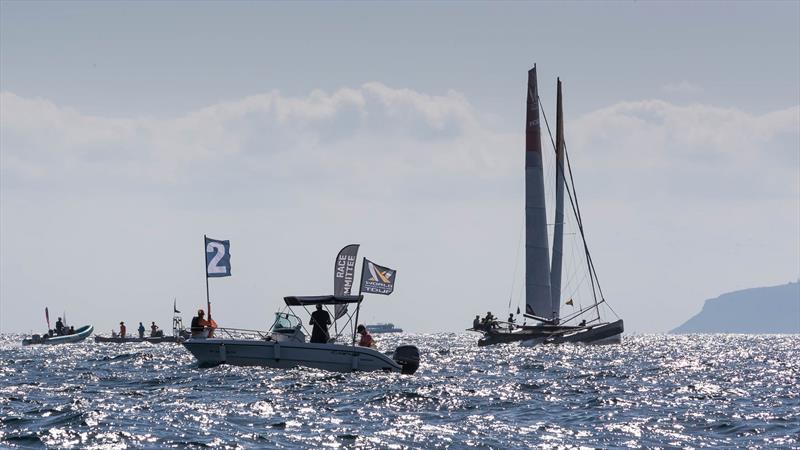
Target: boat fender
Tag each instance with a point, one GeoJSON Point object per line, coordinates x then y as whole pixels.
{"type": "Point", "coordinates": [222, 353]}
{"type": "Point", "coordinates": [408, 358]}
{"type": "Point", "coordinates": [276, 351]}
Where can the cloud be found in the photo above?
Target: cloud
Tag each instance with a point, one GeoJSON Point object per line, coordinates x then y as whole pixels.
{"type": "Point", "coordinates": [682, 87]}
{"type": "Point", "coordinates": [699, 151]}
{"type": "Point", "coordinates": [364, 132]}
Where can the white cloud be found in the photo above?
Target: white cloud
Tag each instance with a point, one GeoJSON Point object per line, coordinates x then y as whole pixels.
{"type": "Point", "coordinates": [372, 128]}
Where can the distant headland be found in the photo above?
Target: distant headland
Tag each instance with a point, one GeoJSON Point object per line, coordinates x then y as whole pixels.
{"type": "Point", "coordinates": [772, 309]}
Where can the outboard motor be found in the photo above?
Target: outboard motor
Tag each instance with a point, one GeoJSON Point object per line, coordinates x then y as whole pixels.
{"type": "Point", "coordinates": [408, 358]}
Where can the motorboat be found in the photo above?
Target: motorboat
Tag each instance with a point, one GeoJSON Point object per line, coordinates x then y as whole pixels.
{"type": "Point", "coordinates": [179, 333]}
{"type": "Point", "coordinates": [47, 339]}
{"type": "Point", "coordinates": [380, 328]}
{"type": "Point", "coordinates": [285, 345]}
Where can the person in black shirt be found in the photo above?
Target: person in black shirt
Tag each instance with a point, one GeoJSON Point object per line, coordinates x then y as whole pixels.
{"type": "Point", "coordinates": [59, 327]}
{"type": "Point", "coordinates": [476, 324]}
{"type": "Point", "coordinates": [320, 319]}
{"type": "Point", "coordinates": [198, 323]}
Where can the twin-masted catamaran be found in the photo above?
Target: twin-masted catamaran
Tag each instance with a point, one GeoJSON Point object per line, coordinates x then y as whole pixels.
{"type": "Point", "coordinates": [543, 270]}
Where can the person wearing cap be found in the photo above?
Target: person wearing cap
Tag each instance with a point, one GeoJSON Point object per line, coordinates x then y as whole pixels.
{"type": "Point", "coordinates": [366, 338]}
{"type": "Point", "coordinates": [122, 330]}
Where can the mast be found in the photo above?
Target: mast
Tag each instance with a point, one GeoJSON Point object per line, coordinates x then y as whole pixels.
{"type": "Point", "coordinates": [537, 263]}
{"type": "Point", "coordinates": [205, 261]}
{"type": "Point", "coordinates": [558, 229]}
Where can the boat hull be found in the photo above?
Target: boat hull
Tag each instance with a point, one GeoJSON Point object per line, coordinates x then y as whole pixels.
{"type": "Point", "coordinates": [152, 340]}
{"type": "Point", "coordinates": [606, 333]}
{"type": "Point", "coordinates": [286, 355]}
{"type": "Point", "coordinates": [80, 334]}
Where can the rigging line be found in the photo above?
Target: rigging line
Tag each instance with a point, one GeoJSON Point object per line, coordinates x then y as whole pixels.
{"type": "Point", "coordinates": [516, 265]}
{"type": "Point", "coordinates": [573, 203]}
{"type": "Point", "coordinates": [593, 271]}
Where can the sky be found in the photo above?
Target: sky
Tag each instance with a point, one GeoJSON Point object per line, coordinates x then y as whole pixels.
{"type": "Point", "coordinates": [128, 130]}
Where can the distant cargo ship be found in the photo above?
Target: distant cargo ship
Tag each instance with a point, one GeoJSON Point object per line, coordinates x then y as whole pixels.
{"type": "Point", "coordinates": [383, 328]}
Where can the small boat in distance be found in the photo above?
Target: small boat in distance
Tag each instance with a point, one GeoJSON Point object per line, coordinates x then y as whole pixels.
{"type": "Point", "coordinates": [380, 328]}
{"type": "Point", "coordinates": [179, 333]}
{"type": "Point", "coordinates": [46, 339]}
{"type": "Point", "coordinates": [543, 270]}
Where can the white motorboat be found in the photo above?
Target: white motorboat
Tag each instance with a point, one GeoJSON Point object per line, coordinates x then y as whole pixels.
{"type": "Point", "coordinates": [285, 345]}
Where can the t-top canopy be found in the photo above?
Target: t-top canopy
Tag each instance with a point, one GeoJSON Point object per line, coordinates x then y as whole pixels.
{"type": "Point", "coordinates": [322, 300]}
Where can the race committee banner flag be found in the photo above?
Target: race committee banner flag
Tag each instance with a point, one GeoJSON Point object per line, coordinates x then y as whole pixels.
{"type": "Point", "coordinates": [377, 279]}
{"type": "Point", "coordinates": [344, 271]}
{"type": "Point", "coordinates": [218, 258]}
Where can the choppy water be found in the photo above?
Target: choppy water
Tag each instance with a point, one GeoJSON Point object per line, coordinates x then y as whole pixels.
{"type": "Point", "coordinates": [652, 391]}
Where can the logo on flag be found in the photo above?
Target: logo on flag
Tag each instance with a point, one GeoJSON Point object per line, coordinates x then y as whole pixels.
{"type": "Point", "coordinates": [218, 258]}
{"type": "Point", "coordinates": [377, 279]}
{"type": "Point", "coordinates": [568, 302]}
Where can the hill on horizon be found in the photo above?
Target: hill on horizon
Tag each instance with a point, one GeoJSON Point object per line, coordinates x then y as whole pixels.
{"type": "Point", "coordinates": [772, 309]}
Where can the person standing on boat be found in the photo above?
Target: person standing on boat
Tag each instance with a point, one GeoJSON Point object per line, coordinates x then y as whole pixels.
{"type": "Point", "coordinates": [141, 330]}
{"type": "Point", "coordinates": [59, 327]}
{"type": "Point", "coordinates": [153, 330]}
{"type": "Point", "coordinates": [320, 319]}
{"type": "Point", "coordinates": [476, 324]}
{"type": "Point", "coordinates": [122, 330]}
{"type": "Point", "coordinates": [511, 321]}
{"type": "Point", "coordinates": [366, 338]}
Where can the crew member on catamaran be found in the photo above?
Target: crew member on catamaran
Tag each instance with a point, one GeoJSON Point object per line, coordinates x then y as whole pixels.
{"type": "Point", "coordinates": [320, 319]}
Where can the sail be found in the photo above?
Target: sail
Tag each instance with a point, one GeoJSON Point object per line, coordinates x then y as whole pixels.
{"type": "Point", "coordinates": [537, 255]}
{"type": "Point", "coordinates": [558, 227]}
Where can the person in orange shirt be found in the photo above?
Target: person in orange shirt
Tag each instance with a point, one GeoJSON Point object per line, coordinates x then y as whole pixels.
{"type": "Point", "coordinates": [199, 324]}
{"type": "Point", "coordinates": [366, 338]}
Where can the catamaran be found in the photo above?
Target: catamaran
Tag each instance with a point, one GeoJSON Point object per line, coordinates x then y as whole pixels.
{"type": "Point", "coordinates": [543, 270]}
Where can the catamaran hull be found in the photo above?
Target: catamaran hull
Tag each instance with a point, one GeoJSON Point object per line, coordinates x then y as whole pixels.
{"type": "Point", "coordinates": [286, 355]}
{"type": "Point", "coordinates": [607, 333]}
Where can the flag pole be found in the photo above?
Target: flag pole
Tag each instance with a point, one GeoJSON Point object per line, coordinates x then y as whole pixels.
{"type": "Point", "coordinates": [205, 264]}
{"type": "Point", "coordinates": [358, 305]}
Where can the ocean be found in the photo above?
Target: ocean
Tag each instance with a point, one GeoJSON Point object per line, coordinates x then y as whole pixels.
{"type": "Point", "coordinates": [651, 391]}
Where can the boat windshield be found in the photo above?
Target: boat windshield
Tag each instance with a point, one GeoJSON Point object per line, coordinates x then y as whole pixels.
{"type": "Point", "coordinates": [285, 321]}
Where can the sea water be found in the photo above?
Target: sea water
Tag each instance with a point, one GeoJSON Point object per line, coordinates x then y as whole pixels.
{"type": "Point", "coordinates": [722, 391]}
